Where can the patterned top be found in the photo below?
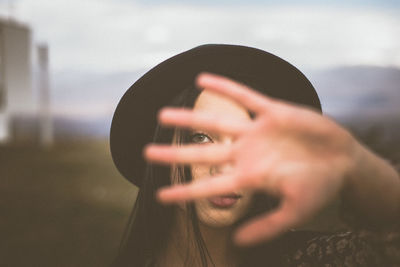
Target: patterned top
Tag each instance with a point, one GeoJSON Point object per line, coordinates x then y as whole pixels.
{"type": "Point", "coordinates": [348, 249]}
{"type": "Point", "coordinates": [316, 249]}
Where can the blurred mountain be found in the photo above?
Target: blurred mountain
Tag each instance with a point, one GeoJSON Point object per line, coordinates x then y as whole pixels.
{"type": "Point", "coordinates": [361, 96]}
{"type": "Point", "coordinates": [359, 90]}
{"type": "Point", "coordinates": [357, 96]}
{"type": "Point", "coordinates": [77, 90]}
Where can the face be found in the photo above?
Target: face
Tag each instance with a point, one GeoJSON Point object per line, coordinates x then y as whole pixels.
{"type": "Point", "coordinates": [221, 211]}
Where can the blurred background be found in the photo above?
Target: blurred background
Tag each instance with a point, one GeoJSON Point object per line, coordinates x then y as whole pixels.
{"type": "Point", "coordinates": [64, 64]}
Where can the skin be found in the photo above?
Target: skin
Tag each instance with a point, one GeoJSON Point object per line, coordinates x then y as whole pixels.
{"type": "Point", "coordinates": [209, 215]}
{"type": "Point", "coordinates": [215, 224]}
{"type": "Point", "coordinates": [289, 150]}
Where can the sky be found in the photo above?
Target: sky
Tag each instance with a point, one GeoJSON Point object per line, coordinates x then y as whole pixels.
{"type": "Point", "coordinates": [102, 38]}
{"type": "Point", "coordinates": [111, 36]}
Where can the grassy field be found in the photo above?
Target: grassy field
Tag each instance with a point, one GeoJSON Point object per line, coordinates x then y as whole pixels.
{"type": "Point", "coordinates": [68, 206]}
{"type": "Point", "coordinates": [62, 206]}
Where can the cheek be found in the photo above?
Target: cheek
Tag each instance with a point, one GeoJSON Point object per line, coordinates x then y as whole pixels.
{"type": "Point", "coordinates": [199, 171]}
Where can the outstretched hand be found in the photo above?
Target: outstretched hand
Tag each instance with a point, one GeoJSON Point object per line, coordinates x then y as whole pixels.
{"type": "Point", "coordinates": [287, 150]}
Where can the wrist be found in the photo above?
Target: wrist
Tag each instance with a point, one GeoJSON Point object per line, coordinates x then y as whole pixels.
{"type": "Point", "coordinates": [355, 166]}
{"type": "Point", "coordinates": [371, 190]}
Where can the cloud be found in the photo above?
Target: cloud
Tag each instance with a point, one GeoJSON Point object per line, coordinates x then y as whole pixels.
{"type": "Point", "coordinates": [100, 35]}
{"type": "Point", "coordinates": [98, 47]}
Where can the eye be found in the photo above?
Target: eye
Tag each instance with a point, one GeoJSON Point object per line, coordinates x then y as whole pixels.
{"type": "Point", "coordinates": [200, 138]}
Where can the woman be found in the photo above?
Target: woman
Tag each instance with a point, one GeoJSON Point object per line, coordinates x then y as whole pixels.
{"type": "Point", "coordinates": [254, 158]}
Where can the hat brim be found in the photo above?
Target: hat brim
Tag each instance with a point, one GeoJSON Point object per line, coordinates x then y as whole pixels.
{"type": "Point", "coordinates": [134, 120]}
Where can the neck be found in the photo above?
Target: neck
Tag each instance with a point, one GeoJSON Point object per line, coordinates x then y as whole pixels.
{"type": "Point", "coordinates": [181, 245]}
{"type": "Point", "coordinates": [217, 241]}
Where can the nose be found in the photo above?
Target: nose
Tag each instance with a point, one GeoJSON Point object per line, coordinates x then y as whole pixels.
{"type": "Point", "coordinates": [224, 168]}
{"type": "Point", "coordinates": [220, 169]}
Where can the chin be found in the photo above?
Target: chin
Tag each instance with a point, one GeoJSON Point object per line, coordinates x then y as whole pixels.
{"type": "Point", "coordinates": [218, 218]}
{"type": "Point", "coordinates": [217, 223]}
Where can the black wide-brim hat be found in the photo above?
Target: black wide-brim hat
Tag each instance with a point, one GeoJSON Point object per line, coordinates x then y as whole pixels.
{"type": "Point", "coordinates": [135, 117]}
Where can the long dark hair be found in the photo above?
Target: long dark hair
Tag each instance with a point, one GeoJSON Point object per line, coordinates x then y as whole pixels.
{"type": "Point", "coordinates": [150, 223]}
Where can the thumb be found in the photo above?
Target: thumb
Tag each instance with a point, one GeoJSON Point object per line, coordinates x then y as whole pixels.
{"type": "Point", "coordinates": [267, 227]}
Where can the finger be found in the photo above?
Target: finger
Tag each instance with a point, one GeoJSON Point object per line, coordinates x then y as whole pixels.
{"type": "Point", "coordinates": [207, 187]}
{"type": "Point", "coordinates": [250, 99]}
{"type": "Point", "coordinates": [206, 153]}
{"type": "Point", "coordinates": [204, 121]}
{"type": "Point", "coordinates": [267, 227]}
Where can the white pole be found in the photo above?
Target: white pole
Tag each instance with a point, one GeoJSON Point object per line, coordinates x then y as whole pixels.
{"type": "Point", "coordinates": [4, 123]}
{"type": "Point", "coordinates": [46, 126]}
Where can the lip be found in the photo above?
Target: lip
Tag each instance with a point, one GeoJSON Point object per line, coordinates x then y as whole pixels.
{"type": "Point", "coordinates": [224, 202]}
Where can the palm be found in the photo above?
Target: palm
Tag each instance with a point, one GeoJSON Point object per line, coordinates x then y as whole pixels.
{"type": "Point", "coordinates": [286, 150]}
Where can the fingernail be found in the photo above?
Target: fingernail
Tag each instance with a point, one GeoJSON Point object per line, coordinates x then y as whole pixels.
{"type": "Point", "coordinates": [162, 113]}
{"type": "Point", "coordinates": [163, 195]}
{"type": "Point", "coordinates": [147, 150]}
{"type": "Point", "coordinates": [203, 76]}
{"type": "Point", "coordinates": [242, 239]}
{"type": "Point", "coordinates": [159, 195]}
